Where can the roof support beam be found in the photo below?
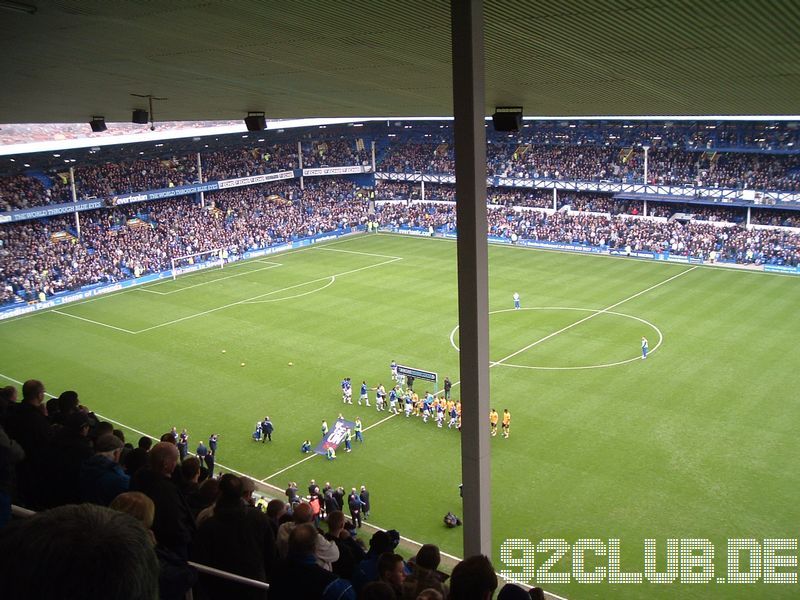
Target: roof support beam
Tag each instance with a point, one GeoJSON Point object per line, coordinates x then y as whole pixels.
{"type": "Point", "coordinates": [473, 273]}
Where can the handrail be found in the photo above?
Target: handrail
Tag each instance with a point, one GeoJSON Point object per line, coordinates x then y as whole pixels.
{"type": "Point", "coordinates": [229, 576]}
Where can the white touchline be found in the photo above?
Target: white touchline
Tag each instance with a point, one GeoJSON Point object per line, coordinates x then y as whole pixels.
{"type": "Point", "coordinates": [66, 314]}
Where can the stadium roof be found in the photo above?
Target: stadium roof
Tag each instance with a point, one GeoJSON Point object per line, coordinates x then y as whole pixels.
{"type": "Point", "coordinates": [72, 59]}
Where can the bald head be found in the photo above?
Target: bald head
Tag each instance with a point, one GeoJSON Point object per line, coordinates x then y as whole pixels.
{"type": "Point", "coordinates": [302, 540]}
{"type": "Point", "coordinates": [303, 513]}
{"type": "Point", "coordinates": [163, 458]}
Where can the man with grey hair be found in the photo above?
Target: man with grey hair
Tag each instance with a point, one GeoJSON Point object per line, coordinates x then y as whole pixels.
{"type": "Point", "coordinates": [101, 478]}
{"type": "Point", "coordinates": [174, 524]}
{"type": "Point", "coordinates": [325, 551]}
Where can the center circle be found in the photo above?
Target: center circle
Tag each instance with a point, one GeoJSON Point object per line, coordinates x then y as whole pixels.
{"type": "Point", "coordinates": [593, 311]}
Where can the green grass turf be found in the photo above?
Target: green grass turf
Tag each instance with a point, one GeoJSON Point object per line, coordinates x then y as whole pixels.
{"type": "Point", "coordinates": [699, 441]}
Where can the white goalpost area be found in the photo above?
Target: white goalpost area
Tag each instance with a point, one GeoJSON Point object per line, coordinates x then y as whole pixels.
{"type": "Point", "coordinates": [208, 259]}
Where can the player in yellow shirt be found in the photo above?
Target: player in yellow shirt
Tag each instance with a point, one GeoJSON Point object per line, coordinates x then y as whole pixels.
{"type": "Point", "coordinates": [506, 423]}
{"type": "Point", "coordinates": [493, 418]}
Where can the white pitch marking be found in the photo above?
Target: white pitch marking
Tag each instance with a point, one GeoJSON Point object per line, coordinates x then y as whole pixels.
{"type": "Point", "coordinates": [330, 283]}
{"type": "Point", "coordinates": [594, 310]}
{"type": "Point", "coordinates": [347, 238]}
{"type": "Point", "coordinates": [355, 252]}
{"type": "Point", "coordinates": [592, 316]}
{"type": "Point", "coordinates": [313, 454]}
{"type": "Point", "coordinates": [249, 300]}
{"type": "Point", "coordinates": [58, 312]}
{"type": "Point", "coordinates": [189, 287]}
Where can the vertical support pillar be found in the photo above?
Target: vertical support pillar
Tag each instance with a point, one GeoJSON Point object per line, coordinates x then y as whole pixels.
{"type": "Point", "coordinates": [74, 191]}
{"type": "Point", "coordinates": [422, 189]}
{"type": "Point", "coordinates": [646, 148]}
{"type": "Point", "coordinates": [473, 262]}
{"type": "Point", "coordinates": [300, 163]}
{"type": "Point", "coordinates": [374, 167]}
{"type": "Point", "coordinates": [555, 199]}
{"type": "Point", "coordinates": [748, 217]}
{"type": "Point", "coordinates": [200, 180]}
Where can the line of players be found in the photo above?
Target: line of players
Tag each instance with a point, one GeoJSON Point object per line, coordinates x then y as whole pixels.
{"type": "Point", "coordinates": [407, 401]}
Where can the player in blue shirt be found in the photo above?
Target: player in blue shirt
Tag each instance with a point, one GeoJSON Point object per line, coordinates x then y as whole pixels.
{"type": "Point", "coordinates": [409, 403]}
{"type": "Point", "coordinates": [324, 428]}
{"type": "Point", "coordinates": [516, 301]}
{"type": "Point", "coordinates": [393, 367]}
{"type": "Point", "coordinates": [644, 348]}
{"type": "Point", "coordinates": [364, 396]}
{"type": "Point", "coordinates": [393, 400]}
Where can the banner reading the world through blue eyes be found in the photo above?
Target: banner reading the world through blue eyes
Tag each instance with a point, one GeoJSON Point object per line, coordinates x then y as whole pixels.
{"type": "Point", "coordinates": [335, 436]}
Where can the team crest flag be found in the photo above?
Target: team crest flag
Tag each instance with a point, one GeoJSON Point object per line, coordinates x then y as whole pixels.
{"type": "Point", "coordinates": [335, 436]}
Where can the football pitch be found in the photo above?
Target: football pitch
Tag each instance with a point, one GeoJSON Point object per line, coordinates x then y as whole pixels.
{"type": "Point", "coordinates": [699, 441]}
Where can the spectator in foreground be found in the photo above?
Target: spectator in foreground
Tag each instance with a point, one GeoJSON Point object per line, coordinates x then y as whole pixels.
{"type": "Point", "coordinates": [350, 552]}
{"type": "Point", "coordinates": [326, 551]}
{"type": "Point", "coordinates": [176, 576]}
{"type": "Point", "coordinates": [27, 424]}
{"type": "Point", "coordinates": [76, 552]}
{"type": "Point", "coordinates": [174, 523]}
{"type": "Point", "coordinates": [237, 538]}
{"type": "Point", "coordinates": [10, 454]}
{"type": "Point", "coordinates": [367, 569]}
{"type": "Point", "coordinates": [424, 573]}
{"type": "Point", "coordinates": [473, 579]}
{"type": "Point", "coordinates": [299, 575]}
{"type": "Point", "coordinates": [392, 570]}
{"type": "Point", "coordinates": [514, 592]}
{"type": "Point", "coordinates": [101, 477]}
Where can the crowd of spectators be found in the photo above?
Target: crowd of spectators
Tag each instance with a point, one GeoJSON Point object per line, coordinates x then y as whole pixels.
{"type": "Point", "coordinates": [22, 191]}
{"type": "Point", "coordinates": [134, 240]}
{"type": "Point", "coordinates": [775, 218]}
{"type": "Point", "coordinates": [334, 153]}
{"type": "Point", "coordinates": [519, 157]}
{"type": "Point", "coordinates": [245, 162]}
{"type": "Point", "coordinates": [124, 522]}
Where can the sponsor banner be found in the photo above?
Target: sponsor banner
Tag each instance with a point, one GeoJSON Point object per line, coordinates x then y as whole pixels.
{"type": "Point", "coordinates": [417, 373]}
{"type": "Point", "coordinates": [184, 190]}
{"type": "Point", "coordinates": [782, 269]}
{"type": "Point", "coordinates": [335, 436]}
{"type": "Point", "coordinates": [128, 199]}
{"type": "Point", "coordinates": [50, 210]}
{"type": "Point", "coordinates": [265, 251]}
{"type": "Point", "coordinates": [422, 231]}
{"type": "Point", "coordinates": [253, 180]}
{"type": "Point", "coordinates": [351, 170]}
{"type": "Point", "coordinates": [562, 246]}
{"type": "Point", "coordinates": [494, 239]}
